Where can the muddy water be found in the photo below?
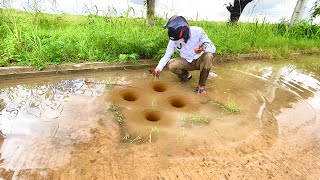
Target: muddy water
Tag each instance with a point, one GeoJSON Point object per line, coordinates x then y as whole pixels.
{"type": "Point", "coordinates": [127, 125]}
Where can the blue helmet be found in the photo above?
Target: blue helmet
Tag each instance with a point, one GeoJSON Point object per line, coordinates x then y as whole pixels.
{"type": "Point", "coordinates": [178, 28]}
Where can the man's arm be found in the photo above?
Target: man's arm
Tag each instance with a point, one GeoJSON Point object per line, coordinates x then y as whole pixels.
{"type": "Point", "coordinates": [206, 44]}
{"type": "Point", "coordinates": [165, 59]}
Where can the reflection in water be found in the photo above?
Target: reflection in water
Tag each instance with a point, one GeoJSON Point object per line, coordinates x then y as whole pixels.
{"type": "Point", "coordinates": [44, 101]}
{"type": "Point", "coordinates": [287, 76]}
{"type": "Point", "coordinates": [299, 81]}
{"type": "Point", "coordinates": [296, 110]}
{"type": "Point", "coordinates": [305, 85]}
{"type": "Point", "coordinates": [36, 121]}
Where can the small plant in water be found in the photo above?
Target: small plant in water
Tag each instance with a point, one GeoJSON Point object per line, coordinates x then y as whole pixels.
{"type": "Point", "coordinates": [109, 86]}
{"type": "Point", "coordinates": [126, 137]}
{"type": "Point", "coordinates": [230, 107]}
{"type": "Point", "coordinates": [194, 120]}
{"type": "Point", "coordinates": [140, 138]}
{"type": "Point", "coordinates": [153, 129]}
{"type": "Point", "coordinates": [118, 115]}
{"type": "Point", "coordinates": [137, 139]}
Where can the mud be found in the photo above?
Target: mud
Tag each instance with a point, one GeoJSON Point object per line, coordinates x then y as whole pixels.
{"type": "Point", "coordinates": [64, 127]}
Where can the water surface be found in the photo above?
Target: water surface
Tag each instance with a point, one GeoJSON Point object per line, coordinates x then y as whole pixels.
{"type": "Point", "coordinates": [65, 126]}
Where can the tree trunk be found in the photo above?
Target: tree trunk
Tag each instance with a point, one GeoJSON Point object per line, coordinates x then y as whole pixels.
{"type": "Point", "coordinates": [298, 11]}
{"type": "Point", "coordinates": [150, 12]}
{"type": "Point", "coordinates": [236, 9]}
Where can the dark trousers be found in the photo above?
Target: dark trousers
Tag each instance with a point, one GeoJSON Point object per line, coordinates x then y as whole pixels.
{"type": "Point", "coordinates": [180, 67]}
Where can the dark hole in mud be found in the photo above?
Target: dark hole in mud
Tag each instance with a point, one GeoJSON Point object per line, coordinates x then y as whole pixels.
{"type": "Point", "coordinates": [177, 102]}
{"type": "Point", "coordinates": [152, 115]}
{"type": "Point", "coordinates": [159, 87]}
{"type": "Point", "coordinates": [129, 95]}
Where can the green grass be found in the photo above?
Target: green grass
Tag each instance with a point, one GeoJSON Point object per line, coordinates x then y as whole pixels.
{"type": "Point", "coordinates": [39, 39]}
{"type": "Point", "coordinates": [230, 106]}
{"type": "Point", "coordinates": [194, 121]}
{"type": "Point", "coordinates": [115, 110]}
{"type": "Point", "coordinates": [149, 136]}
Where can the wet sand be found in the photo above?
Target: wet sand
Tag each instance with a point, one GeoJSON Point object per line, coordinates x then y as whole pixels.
{"type": "Point", "coordinates": [67, 128]}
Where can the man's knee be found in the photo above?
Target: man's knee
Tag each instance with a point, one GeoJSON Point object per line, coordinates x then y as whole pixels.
{"type": "Point", "coordinates": [207, 59]}
{"type": "Point", "coordinates": [174, 65]}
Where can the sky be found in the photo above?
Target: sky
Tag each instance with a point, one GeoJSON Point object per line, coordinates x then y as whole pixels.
{"type": "Point", "coordinates": [213, 10]}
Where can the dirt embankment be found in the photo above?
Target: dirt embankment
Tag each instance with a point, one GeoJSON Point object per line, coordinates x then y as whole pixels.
{"type": "Point", "coordinates": [16, 71]}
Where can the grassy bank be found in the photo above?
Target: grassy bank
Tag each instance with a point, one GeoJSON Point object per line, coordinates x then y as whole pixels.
{"type": "Point", "coordinates": [40, 39]}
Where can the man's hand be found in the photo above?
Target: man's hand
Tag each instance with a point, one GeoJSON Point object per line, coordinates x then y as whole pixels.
{"type": "Point", "coordinates": [155, 72]}
{"type": "Point", "coordinates": [198, 49]}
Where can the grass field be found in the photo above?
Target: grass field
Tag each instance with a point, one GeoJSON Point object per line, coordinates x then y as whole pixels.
{"type": "Point", "coordinates": [39, 39]}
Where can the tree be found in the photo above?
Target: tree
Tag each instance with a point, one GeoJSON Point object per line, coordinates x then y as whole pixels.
{"type": "Point", "coordinates": [316, 9]}
{"type": "Point", "coordinates": [298, 11]}
{"type": "Point", "coordinates": [236, 9]}
{"type": "Point", "coordinates": [150, 12]}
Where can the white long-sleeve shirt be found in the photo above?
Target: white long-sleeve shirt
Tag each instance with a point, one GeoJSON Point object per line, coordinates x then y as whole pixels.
{"type": "Point", "coordinates": [197, 37]}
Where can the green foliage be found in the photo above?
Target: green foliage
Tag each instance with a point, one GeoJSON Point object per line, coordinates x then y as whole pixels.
{"type": "Point", "coordinates": [123, 58]}
{"type": "Point", "coordinates": [316, 9]}
{"type": "Point", "coordinates": [301, 30]}
{"type": "Point", "coordinates": [230, 107]}
{"type": "Point", "coordinates": [42, 39]}
{"type": "Point", "coordinates": [39, 39]}
{"type": "Point", "coordinates": [316, 12]}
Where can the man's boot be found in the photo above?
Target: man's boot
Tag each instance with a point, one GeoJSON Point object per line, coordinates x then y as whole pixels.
{"type": "Point", "coordinates": [202, 81]}
{"type": "Point", "coordinates": [185, 76]}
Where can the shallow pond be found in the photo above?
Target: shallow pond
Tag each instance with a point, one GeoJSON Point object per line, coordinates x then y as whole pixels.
{"type": "Point", "coordinates": [125, 124]}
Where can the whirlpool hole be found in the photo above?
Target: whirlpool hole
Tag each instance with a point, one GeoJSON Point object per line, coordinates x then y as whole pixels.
{"type": "Point", "coordinates": [159, 87]}
{"type": "Point", "coordinates": [129, 95]}
{"type": "Point", "coordinates": [152, 115]}
{"type": "Point", "coordinates": [177, 102]}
